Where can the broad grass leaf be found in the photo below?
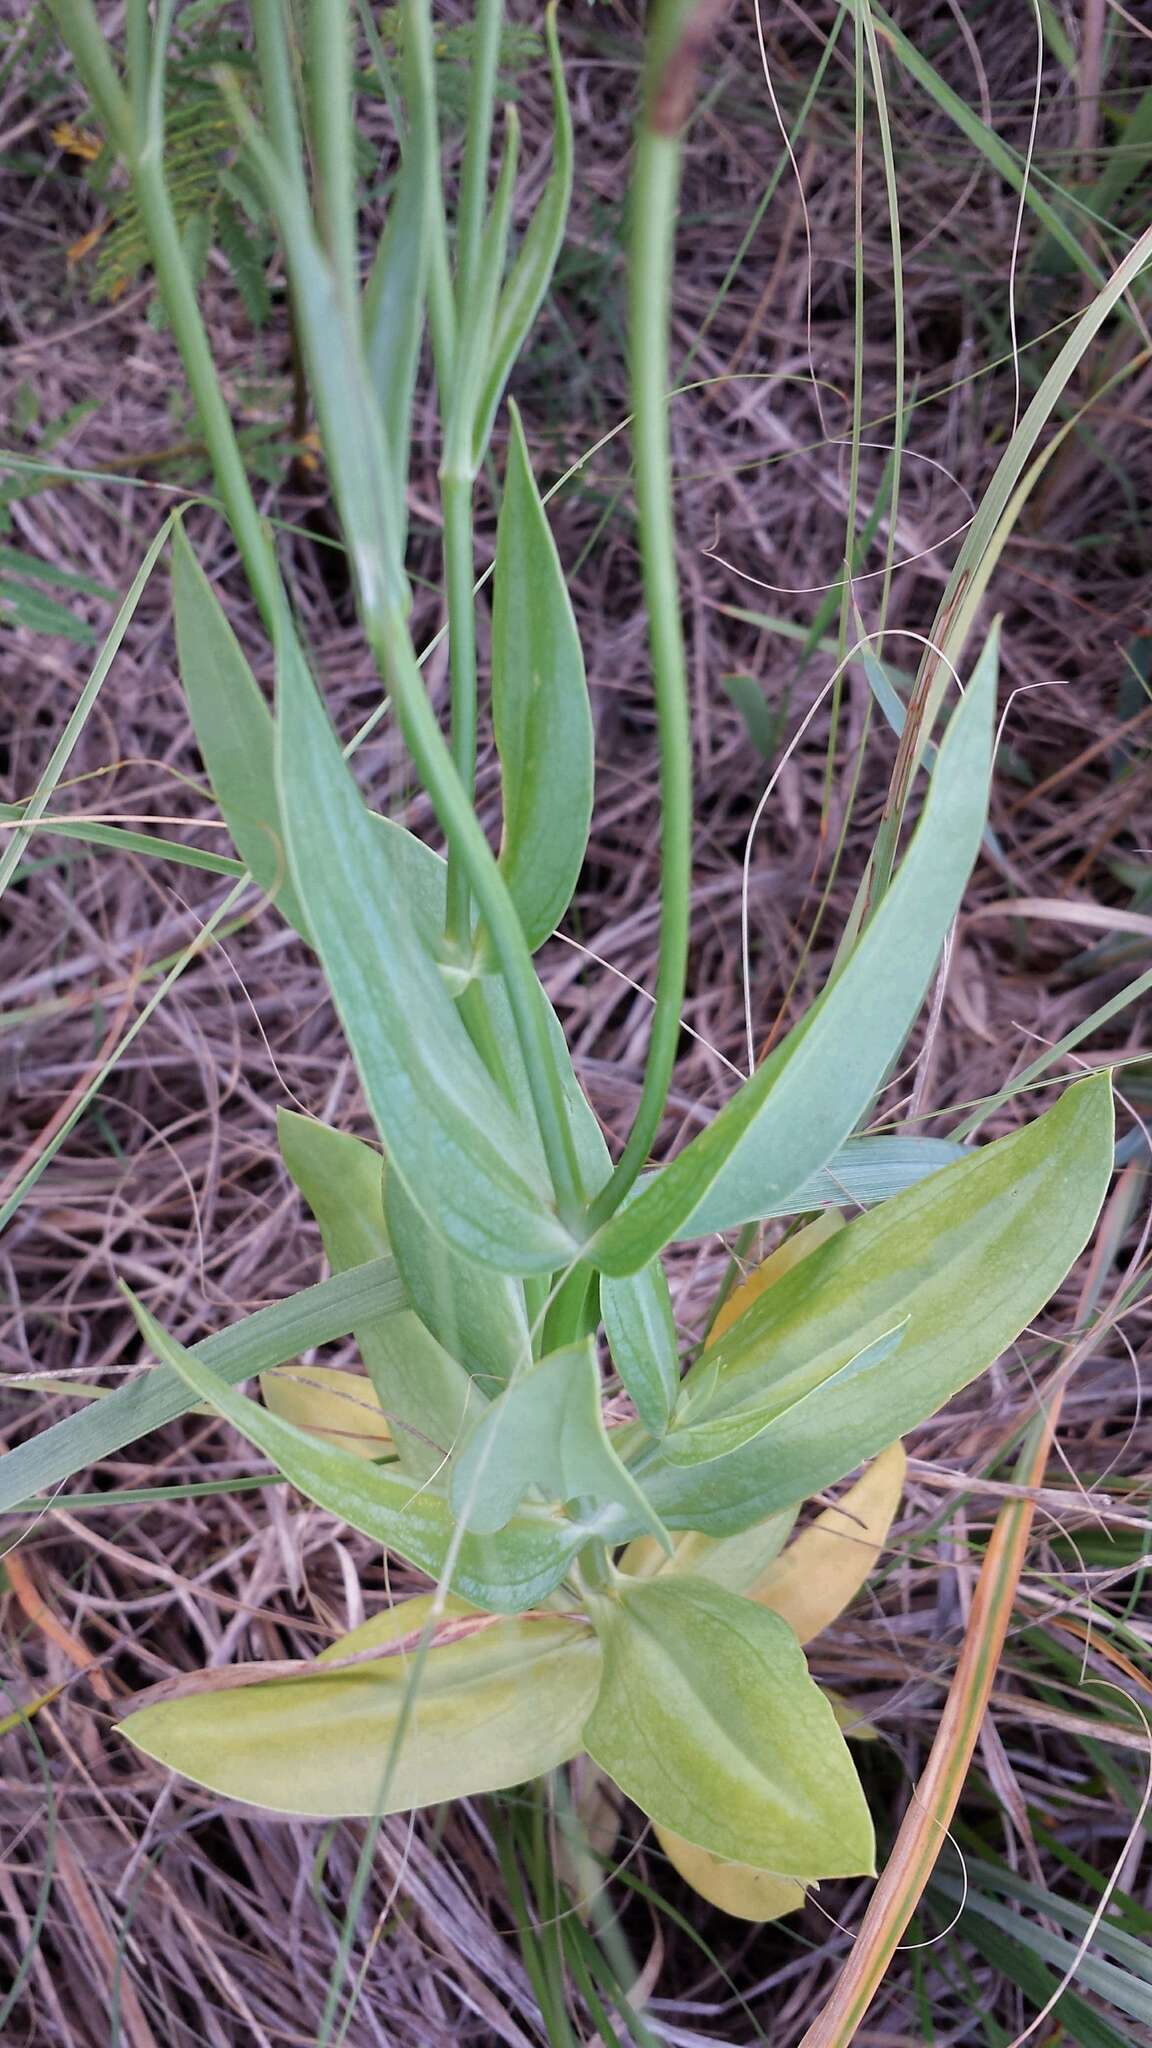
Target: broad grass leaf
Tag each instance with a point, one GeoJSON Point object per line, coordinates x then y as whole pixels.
{"type": "Point", "coordinates": [788, 1120]}
{"type": "Point", "coordinates": [491, 1709]}
{"type": "Point", "coordinates": [819, 1574]}
{"type": "Point", "coordinates": [340, 1408]}
{"type": "Point", "coordinates": [540, 710]}
{"type": "Point", "coordinates": [546, 1430]}
{"type": "Point", "coordinates": [233, 728]}
{"type": "Point", "coordinates": [450, 1135]}
{"type": "Point", "coordinates": [737, 1888]}
{"type": "Point", "coordinates": [315, 1315]}
{"type": "Point", "coordinates": [707, 1718]}
{"type": "Point", "coordinates": [968, 1258]}
{"type": "Point", "coordinates": [637, 1311]}
{"type": "Point", "coordinates": [425, 1393]}
{"type": "Point", "coordinates": [511, 1571]}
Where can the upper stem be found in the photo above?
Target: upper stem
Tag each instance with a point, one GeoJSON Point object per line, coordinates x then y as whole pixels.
{"type": "Point", "coordinates": [654, 197]}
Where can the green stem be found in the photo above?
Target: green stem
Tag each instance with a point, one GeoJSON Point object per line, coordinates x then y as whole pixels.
{"type": "Point", "coordinates": [333, 139]}
{"type": "Point", "coordinates": [459, 570]}
{"type": "Point", "coordinates": [483, 68]}
{"type": "Point", "coordinates": [391, 644]}
{"type": "Point", "coordinates": [654, 196]}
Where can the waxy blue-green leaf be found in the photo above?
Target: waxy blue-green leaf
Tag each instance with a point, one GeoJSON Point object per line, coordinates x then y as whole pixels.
{"type": "Point", "coordinates": [698, 1435]}
{"type": "Point", "coordinates": [451, 1136]}
{"type": "Point", "coordinates": [547, 1431]}
{"type": "Point", "coordinates": [508, 1572]}
{"type": "Point", "coordinates": [863, 1172]}
{"type": "Point", "coordinates": [788, 1120]}
{"type": "Point", "coordinates": [477, 1314]}
{"type": "Point", "coordinates": [968, 1257]}
{"type": "Point", "coordinates": [269, 1337]}
{"type": "Point", "coordinates": [531, 273]}
{"type": "Point", "coordinates": [394, 314]}
{"type": "Point", "coordinates": [540, 710]}
{"type": "Point", "coordinates": [637, 1313]}
{"type": "Point", "coordinates": [491, 1709]}
{"type": "Point", "coordinates": [233, 728]}
{"type": "Point", "coordinates": [426, 1395]}
{"type": "Point", "coordinates": [707, 1718]}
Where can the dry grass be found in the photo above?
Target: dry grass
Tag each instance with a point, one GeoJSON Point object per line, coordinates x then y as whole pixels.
{"type": "Point", "coordinates": [171, 1917]}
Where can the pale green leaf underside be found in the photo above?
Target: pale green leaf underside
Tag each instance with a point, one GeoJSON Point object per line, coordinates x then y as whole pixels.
{"type": "Point", "coordinates": [708, 1719]}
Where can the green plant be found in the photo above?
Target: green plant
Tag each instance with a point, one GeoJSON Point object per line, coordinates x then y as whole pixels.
{"type": "Point", "coordinates": [625, 1592]}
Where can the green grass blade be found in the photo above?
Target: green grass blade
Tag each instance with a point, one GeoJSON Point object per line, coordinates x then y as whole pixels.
{"type": "Point", "coordinates": [269, 1337]}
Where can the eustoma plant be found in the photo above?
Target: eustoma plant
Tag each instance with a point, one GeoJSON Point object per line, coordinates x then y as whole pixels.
{"type": "Point", "coordinates": [627, 1592]}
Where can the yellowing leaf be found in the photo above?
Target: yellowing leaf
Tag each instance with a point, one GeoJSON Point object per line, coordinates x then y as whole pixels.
{"type": "Point", "coordinates": [737, 1888]}
{"type": "Point", "coordinates": [499, 1701]}
{"type": "Point", "coordinates": [340, 1408]}
{"type": "Point", "coordinates": [817, 1577]}
{"type": "Point", "coordinates": [773, 1268]}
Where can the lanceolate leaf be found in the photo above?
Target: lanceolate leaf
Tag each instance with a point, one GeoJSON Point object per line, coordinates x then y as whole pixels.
{"type": "Point", "coordinates": [394, 314]}
{"type": "Point", "coordinates": [450, 1135]}
{"type": "Point", "coordinates": [532, 270]}
{"type": "Point", "coordinates": [492, 1708]}
{"type": "Point", "coordinates": [700, 1435]}
{"type": "Point", "coordinates": [509, 1572]}
{"type": "Point", "coordinates": [233, 727]}
{"type": "Point", "coordinates": [803, 1101]}
{"type": "Point", "coordinates": [637, 1314]}
{"type": "Point", "coordinates": [341, 1179]}
{"type": "Point", "coordinates": [707, 1718]}
{"type": "Point", "coordinates": [546, 1430]}
{"type": "Point", "coordinates": [316, 1315]}
{"type": "Point", "coordinates": [425, 1394]}
{"type": "Point", "coordinates": [540, 710]}
{"type": "Point", "coordinates": [968, 1258]}
{"type": "Point", "coordinates": [477, 1313]}
{"type": "Point", "coordinates": [863, 1172]}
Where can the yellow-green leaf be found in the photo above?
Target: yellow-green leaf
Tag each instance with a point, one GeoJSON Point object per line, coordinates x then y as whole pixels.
{"type": "Point", "coordinates": [340, 1408]}
{"type": "Point", "coordinates": [737, 1888]}
{"type": "Point", "coordinates": [707, 1718]}
{"type": "Point", "coordinates": [963, 1261]}
{"type": "Point", "coordinates": [771, 1269]}
{"type": "Point", "coordinates": [493, 1708]}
